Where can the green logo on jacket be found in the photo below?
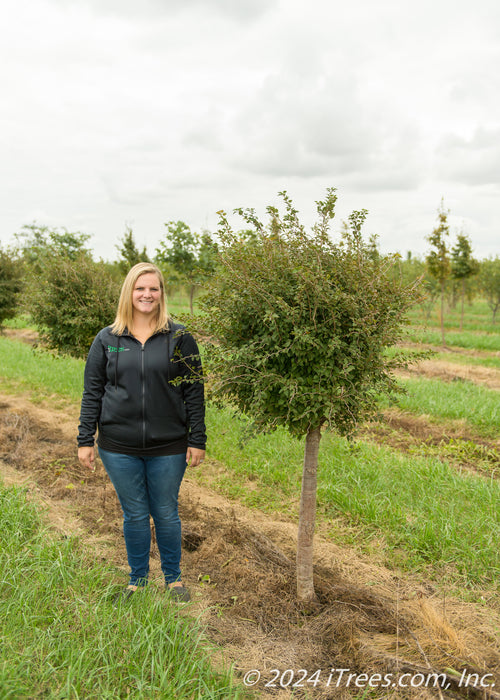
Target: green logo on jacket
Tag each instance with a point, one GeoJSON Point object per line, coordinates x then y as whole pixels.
{"type": "Point", "coordinates": [112, 349]}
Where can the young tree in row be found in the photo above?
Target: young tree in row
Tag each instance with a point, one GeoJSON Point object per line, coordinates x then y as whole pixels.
{"type": "Point", "coordinates": [189, 256]}
{"type": "Point", "coordinates": [463, 267]}
{"type": "Point", "coordinates": [489, 282]}
{"type": "Point", "coordinates": [207, 257]}
{"type": "Point", "coordinates": [296, 327]}
{"type": "Point", "coordinates": [129, 252]}
{"type": "Point", "coordinates": [438, 260]}
{"type": "Point", "coordinates": [411, 269]}
{"type": "Point", "coordinates": [178, 251]}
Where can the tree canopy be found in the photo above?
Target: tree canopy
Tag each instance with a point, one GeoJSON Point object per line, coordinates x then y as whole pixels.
{"type": "Point", "coordinates": [463, 267]}
{"type": "Point", "coordinates": [38, 244]}
{"type": "Point", "coordinates": [297, 324]}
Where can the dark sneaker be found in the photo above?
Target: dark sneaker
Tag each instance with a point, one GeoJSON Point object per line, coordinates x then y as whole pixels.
{"type": "Point", "coordinates": [123, 596]}
{"type": "Point", "coordinates": [179, 594]}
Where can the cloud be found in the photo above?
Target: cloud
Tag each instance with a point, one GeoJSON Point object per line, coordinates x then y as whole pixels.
{"type": "Point", "coordinates": [300, 126]}
{"type": "Point", "coordinates": [320, 126]}
{"type": "Point", "coordinates": [473, 161]}
{"type": "Point", "coordinates": [242, 10]}
{"type": "Point", "coordinates": [238, 10]}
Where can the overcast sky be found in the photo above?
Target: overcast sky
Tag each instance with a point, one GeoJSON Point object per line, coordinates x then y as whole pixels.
{"type": "Point", "coordinates": [123, 113]}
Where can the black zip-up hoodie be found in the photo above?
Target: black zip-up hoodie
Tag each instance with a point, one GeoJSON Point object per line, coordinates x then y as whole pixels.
{"type": "Point", "coordinates": [143, 397]}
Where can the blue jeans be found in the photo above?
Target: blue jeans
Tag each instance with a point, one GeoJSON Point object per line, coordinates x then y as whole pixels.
{"type": "Point", "coordinates": [148, 485]}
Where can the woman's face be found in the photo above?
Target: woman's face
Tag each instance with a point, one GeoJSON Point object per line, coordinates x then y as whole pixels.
{"type": "Point", "coordinates": [146, 294]}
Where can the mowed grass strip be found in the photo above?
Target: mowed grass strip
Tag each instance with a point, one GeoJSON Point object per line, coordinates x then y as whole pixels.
{"type": "Point", "coordinates": [62, 637]}
{"type": "Point", "coordinates": [491, 362]}
{"type": "Point", "coordinates": [430, 515]}
{"type": "Point", "coordinates": [477, 317]}
{"type": "Point", "coordinates": [475, 404]}
{"type": "Point", "coordinates": [479, 340]}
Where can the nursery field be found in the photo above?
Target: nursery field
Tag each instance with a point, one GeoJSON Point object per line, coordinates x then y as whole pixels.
{"type": "Point", "coordinates": [407, 546]}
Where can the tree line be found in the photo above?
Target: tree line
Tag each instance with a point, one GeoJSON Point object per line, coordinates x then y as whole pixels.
{"type": "Point", "coordinates": [452, 273]}
{"type": "Point", "coordinates": [51, 275]}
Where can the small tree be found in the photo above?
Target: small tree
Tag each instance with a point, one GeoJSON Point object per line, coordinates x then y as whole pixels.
{"type": "Point", "coordinates": [206, 261]}
{"type": "Point", "coordinates": [438, 260]}
{"type": "Point", "coordinates": [10, 285]}
{"type": "Point", "coordinates": [296, 328]}
{"type": "Point", "coordinates": [413, 269]}
{"type": "Point", "coordinates": [129, 252]}
{"type": "Point", "coordinates": [178, 250]}
{"type": "Point", "coordinates": [489, 283]}
{"type": "Point", "coordinates": [463, 267]}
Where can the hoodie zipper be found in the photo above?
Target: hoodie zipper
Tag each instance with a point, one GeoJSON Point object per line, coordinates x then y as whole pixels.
{"type": "Point", "coordinates": [143, 383]}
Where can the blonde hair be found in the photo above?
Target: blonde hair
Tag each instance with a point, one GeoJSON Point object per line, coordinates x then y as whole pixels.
{"type": "Point", "coordinates": [124, 313]}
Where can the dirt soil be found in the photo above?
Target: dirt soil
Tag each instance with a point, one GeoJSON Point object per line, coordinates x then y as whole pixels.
{"type": "Point", "coordinates": [239, 565]}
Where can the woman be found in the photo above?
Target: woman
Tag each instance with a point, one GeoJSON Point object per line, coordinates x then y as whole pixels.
{"type": "Point", "coordinates": [143, 391]}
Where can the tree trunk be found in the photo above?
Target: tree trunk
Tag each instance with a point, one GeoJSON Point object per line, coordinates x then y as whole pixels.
{"type": "Point", "coordinates": [307, 517]}
{"type": "Point", "coordinates": [442, 314]}
{"type": "Point", "coordinates": [463, 303]}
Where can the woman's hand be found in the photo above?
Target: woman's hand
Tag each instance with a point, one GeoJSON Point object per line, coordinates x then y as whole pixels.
{"type": "Point", "coordinates": [86, 456]}
{"type": "Point", "coordinates": [194, 456]}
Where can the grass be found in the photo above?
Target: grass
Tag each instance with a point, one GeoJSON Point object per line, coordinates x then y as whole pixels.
{"type": "Point", "coordinates": [62, 638]}
{"type": "Point", "coordinates": [372, 494]}
{"type": "Point", "coordinates": [40, 372]}
{"type": "Point", "coordinates": [459, 451]}
{"type": "Point", "coordinates": [475, 404]}
{"type": "Point", "coordinates": [394, 494]}
{"type": "Point", "coordinates": [477, 317]}
{"type": "Point", "coordinates": [492, 362]}
{"type": "Point", "coordinates": [489, 341]}
{"type": "Point", "coordinates": [178, 302]}
{"type": "Point", "coordinates": [455, 356]}
{"type": "Point", "coordinates": [21, 321]}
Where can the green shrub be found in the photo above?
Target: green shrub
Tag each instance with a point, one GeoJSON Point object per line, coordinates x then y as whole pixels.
{"type": "Point", "coordinates": [10, 286]}
{"type": "Point", "coordinates": [70, 300]}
